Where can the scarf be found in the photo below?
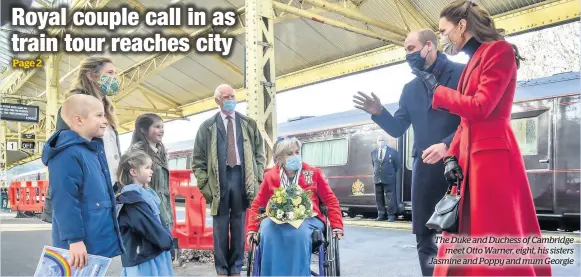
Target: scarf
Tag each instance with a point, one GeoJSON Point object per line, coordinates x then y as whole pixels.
{"type": "Point", "coordinates": [284, 181]}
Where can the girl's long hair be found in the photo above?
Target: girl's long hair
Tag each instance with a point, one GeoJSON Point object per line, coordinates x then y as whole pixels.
{"type": "Point", "coordinates": [88, 85]}
{"type": "Point", "coordinates": [142, 124]}
{"type": "Point", "coordinates": [129, 160]}
{"type": "Point", "coordinates": [479, 22]}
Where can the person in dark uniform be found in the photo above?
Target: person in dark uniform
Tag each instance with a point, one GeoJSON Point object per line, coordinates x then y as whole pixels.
{"type": "Point", "coordinates": [433, 133]}
{"type": "Point", "coordinates": [385, 161]}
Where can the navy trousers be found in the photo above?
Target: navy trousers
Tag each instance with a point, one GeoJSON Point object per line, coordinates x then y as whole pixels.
{"type": "Point", "coordinates": [229, 253]}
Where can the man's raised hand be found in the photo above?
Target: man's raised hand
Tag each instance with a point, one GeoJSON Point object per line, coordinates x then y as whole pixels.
{"type": "Point", "coordinates": [371, 104]}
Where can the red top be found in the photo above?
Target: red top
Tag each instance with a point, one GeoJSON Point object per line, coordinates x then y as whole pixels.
{"type": "Point", "coordinates": [311, 179]}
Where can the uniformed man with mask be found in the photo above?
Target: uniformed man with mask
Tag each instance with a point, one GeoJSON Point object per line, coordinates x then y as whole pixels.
{"type": "Point", "coordinates": [433, 133]}
{"type": "Point", "coordinates": [385, 162]}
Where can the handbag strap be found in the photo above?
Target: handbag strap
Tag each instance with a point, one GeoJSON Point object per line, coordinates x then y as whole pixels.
{"type": "Point", "coordinates": [450, 186]}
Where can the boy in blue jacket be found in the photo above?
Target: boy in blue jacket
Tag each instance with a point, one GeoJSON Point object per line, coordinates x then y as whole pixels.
{"type": "Point", "coordinates": [84, 215]}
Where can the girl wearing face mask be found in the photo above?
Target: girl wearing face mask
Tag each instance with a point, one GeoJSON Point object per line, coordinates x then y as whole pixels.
{"type": "Point", "coordinates": [295, 260]}
{"type": "Point", "coordinates": [97, 77]}
{"type": "Point", "coordinates": [484, 157]}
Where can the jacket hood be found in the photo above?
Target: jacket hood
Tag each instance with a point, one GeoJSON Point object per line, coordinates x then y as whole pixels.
{"type": "Point", "coordinates": [130, 194]}
{"type": "Point", "coordinates": [61, 140]}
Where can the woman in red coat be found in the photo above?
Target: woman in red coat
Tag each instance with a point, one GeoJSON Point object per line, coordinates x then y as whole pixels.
{"type": "Point", "coordinates": [286, 251]}
{"type": "Point", "coordinates": [496, 197]}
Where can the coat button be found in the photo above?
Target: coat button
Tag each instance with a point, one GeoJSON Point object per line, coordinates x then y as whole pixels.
{"type": "Point", "coordinates": [98, 204]}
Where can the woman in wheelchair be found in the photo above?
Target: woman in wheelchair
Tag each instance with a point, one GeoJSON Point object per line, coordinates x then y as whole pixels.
{"type": "Point", "coordinates": [285, 250]}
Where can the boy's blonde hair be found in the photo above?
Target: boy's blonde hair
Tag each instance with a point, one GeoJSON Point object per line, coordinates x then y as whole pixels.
{"type": "Point", "coordinates": [78, 104]}
{"type": "Point", "coordinates": [131, 159]}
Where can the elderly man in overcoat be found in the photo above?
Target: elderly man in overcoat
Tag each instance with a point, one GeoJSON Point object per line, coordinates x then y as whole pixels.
{"type": "Point", "coordinates": [228, 162]}
{"type": "Point", "coordinates": [433, 133]}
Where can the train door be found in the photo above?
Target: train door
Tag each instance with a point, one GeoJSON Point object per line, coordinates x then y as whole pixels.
{"type": "Point", "coordinates": [532, 124]}
{"type": "Point", "coordinates": [406, 192]}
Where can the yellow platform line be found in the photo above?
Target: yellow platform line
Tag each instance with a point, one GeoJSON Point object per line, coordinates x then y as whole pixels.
{"type": "Point", "coordinates": [408, 227]}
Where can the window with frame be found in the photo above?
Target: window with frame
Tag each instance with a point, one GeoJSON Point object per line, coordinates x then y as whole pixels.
{"type": "Point", "coordinates": [177, 163]}
{"type": "Point", "coordinates": [525, 130]}
{"type": "Point", "coordinates": [322, 153]}
{"type": "Point", "coordinates": [409, 160]}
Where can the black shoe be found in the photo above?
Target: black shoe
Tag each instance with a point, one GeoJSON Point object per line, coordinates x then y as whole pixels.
{"type": "Point", "coordinates": [391, 218]}
{"type": "Point", "coordinates": [381, 218]}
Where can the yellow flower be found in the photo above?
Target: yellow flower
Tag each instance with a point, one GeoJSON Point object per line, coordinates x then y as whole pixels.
{"type": "Point", "coordinates": [279, 200]}
{"type": "Point", "coordinates": [297, 201]}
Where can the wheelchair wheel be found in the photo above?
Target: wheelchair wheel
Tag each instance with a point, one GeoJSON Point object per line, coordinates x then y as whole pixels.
{"type": "Point", "coordinates": [337, 260]}
{"type": "Point", "coordinates": [253, 265]}
{"type": "Point", "coordinates": [332, 258]}
{"type": "Point", "coordinates": [250, 261]}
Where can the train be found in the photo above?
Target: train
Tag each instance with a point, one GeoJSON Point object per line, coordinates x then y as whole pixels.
{"type": "Point", "coordinates": [545, 119]}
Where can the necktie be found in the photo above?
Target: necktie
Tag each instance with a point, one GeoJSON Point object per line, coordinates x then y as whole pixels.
{"type": "Point", "coordinates": [231, 161]}
{"type": "Point", "coordinates": [381, 154]}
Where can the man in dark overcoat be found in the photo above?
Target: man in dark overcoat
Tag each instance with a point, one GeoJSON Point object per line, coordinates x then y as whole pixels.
{"type": "Point", "coordinates": [433, 133]}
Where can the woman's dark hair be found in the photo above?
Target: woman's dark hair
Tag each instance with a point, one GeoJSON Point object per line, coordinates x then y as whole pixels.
{"type": "Point", "coordinates": [142, 124]}
{"type": "Point", "coordinates": [479, 22]}
{"type": "Point", "coordinates": [87, 85]}
{"type": "Point", "coordinates": [129, 160]}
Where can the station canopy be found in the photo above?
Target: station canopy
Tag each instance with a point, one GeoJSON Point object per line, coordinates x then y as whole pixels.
{"type": "Point", "coordinates": [315, 40]}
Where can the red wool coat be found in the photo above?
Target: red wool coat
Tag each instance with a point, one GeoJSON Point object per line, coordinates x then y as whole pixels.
{"type": "Point", "coordinates": [496, 196]}
{"type": "Point", "coordinates": [316, 183]}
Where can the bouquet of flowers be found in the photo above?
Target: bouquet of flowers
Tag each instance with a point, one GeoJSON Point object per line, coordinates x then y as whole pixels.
{"type": "Point", "coordinates": [291, 205]}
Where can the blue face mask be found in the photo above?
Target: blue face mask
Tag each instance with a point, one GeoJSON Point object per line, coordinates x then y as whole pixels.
{"type": "Point", "coordinates": [415, 60]}
{"type": "Point", "coordinates": [229, 105]}
{"type": "Point", "coordinates": [293, 163]}
{"type": "Point", "coordinates": [381, 143]}
{"type": "Point", "coordinates": [109, 85]}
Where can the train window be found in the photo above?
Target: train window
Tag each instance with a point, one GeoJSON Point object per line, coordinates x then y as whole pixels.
{"type": "Point", "coordinates": [178, 163]}
{"type": "Point", "coordinates": [409, 160]}
{"type": "Point", "coordinates": [326, 152]}
{"type": "Point", "coordinates": [525, 131]}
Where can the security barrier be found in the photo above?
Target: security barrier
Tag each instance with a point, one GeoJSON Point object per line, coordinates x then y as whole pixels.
{"type": "Point", "coordinates": [27, 196]}
{"type": "Point", "coordinates": [191, 233]}
{"type": "Point", "coordinates": [195, 231]}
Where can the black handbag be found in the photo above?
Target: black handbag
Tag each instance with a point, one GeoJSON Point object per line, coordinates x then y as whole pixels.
{"type": "Point", "coordinates": [445, 216]}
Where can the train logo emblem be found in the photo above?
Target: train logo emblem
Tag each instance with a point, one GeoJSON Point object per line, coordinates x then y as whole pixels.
{"type": "Point", "coordinates": [358, 188]}
{"type": "Point", "coordinates": [308, 177]}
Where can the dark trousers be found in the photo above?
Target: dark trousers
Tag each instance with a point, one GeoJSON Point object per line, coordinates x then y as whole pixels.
{"type": "Point", "coordinates": [427, 248]}
{"type": "Point", "coordinates": [229, 254]}
{"type": "Point", "coordinates": [383, 191]}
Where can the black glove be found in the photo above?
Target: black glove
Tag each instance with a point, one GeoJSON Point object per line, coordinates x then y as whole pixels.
{"type": "Point", "coordinates": [428, 79]}
{"type": "Point", "coordinates": [452, 170]}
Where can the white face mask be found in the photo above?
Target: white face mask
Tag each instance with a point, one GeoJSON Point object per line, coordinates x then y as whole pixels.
{"type": "Point", "coordinates": [448, 46]}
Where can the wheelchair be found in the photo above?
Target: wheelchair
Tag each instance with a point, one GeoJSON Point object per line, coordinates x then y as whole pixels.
{"type": "Point", "coordinates": [325, 246]}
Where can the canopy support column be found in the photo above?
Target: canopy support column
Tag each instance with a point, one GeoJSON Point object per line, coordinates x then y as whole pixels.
{"type": "Point", "coordinates": [52, 90]}
{"type": "Point", "coordinates": [4, 161]}
{"type": "Point", "coordinates": [260, 73]}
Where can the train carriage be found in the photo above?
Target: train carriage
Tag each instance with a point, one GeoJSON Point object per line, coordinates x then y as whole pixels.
{"type": "Point", "coordinates": [546, 122]}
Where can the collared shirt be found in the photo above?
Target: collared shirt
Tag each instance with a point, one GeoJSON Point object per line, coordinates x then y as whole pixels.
{"type": "Point", "coordinates": [381, 152]}
{"type": "Point", "coordinates": [225, 120]}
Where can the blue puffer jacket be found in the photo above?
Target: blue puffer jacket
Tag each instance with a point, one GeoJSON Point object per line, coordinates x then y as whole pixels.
{"type": "Point", "coordinates": [83, 201]}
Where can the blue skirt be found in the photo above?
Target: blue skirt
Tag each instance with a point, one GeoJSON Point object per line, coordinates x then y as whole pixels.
{"type": "Point", "coordinates": [159, 266]}
{"type": "Point", "coordinates": [287, 251]}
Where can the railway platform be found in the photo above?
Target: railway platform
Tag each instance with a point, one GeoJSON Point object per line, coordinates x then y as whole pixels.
{"type": "Point", "coordinates": [369, 249]}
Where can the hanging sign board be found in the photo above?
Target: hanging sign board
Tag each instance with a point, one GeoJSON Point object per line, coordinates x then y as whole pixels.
{"type": "Point", "coordinates": [17, 112]}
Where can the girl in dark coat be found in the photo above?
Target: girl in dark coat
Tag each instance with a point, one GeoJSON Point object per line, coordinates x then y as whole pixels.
{"type": "Point", "coordinates": [146, 238]}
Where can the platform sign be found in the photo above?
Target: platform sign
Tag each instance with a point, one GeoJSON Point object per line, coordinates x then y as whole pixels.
{"type": "Point", "coordinates": [28, 136]}
{"type": "Point", "coordinates": [27, 145]}
{"type": "Point", "coordinates": [20, 113]}
{"type": "Point", "coordinates": [12, 145]}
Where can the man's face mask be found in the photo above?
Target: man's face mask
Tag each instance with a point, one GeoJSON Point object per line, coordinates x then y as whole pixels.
{"type": "Point", "coordinates": [415, 60]}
